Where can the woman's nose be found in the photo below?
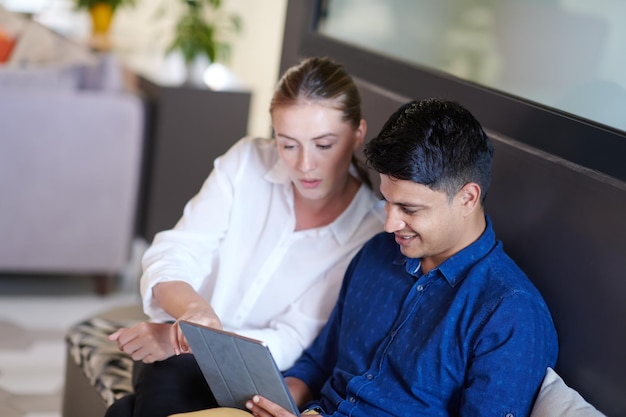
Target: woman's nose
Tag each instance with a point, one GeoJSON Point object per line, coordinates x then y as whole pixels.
{"type": "Point", "coordinates": [306, 162]}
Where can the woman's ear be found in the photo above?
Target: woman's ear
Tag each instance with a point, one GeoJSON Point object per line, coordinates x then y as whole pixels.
{"type": "Point", "coordinates": [360, 133]}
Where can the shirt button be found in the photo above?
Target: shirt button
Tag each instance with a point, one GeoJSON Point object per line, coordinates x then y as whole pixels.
{"type": "Point", "coordinates": [420, 288]}
{"type": "Point", "coordinates": [369, 376]}
{"type": "Point", "coordinates": [352, 400]}
{"type": "Point", "coordinates": [509, 415]}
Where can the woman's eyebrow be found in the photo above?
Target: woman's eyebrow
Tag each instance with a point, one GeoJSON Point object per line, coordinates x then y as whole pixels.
{"type": "Point", "coordinates": [319, 137]}
{"type": "Point", "coordinates": [325, 136]}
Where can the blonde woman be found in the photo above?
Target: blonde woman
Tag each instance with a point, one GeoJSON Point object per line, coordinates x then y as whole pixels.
{"type": "Point", "coordinates": [261, 250]}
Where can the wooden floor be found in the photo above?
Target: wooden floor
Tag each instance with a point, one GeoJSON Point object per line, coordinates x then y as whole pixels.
{"type": "Point", "coordinates": [35, 311]}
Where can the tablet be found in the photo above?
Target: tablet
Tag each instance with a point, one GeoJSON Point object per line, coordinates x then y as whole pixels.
{"type": "Point", "coordinates": [236, 367]}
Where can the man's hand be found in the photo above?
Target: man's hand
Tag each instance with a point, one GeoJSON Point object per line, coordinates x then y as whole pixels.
{"type": "Point", "coordinates": [147, 342]}
{"type": "Point", "coordinates": [262, 407]}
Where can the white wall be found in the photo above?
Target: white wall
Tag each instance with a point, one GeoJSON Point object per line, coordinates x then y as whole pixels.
{"type": "Point", "coordinates": [256, 51]}
{"type": "Point", "coordinates": [256, 55]}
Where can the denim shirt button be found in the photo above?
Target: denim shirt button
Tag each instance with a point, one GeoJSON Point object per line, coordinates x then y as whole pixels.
{"type": "Point", "coordinates": [352, 400]}
{"type": "Point", "coordinates": [509, 415]}
{"type": "Point", "coordinates": [420, 287]}
{"type": "Point", "coordinates": [369, 376]}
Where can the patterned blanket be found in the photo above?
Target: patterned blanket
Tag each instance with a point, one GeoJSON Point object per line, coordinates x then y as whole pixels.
{"type": "Point", "coordinates": [107, 368]}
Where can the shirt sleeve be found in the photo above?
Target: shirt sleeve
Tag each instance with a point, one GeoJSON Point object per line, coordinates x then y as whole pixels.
{"type": "Point", "coordinates": [186, 252]}
{"type": "Point", "coordinates": [510, 356]}
{"type": "Point", "coordinates": [315, 365]}
{"type": "Point", "coordinates": [291, 332]}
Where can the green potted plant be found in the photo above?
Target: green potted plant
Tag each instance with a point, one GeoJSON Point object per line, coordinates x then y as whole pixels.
{"type": "Point", "coordinates": [204, 29]}
{"type": "Point", "coordinates": [101, 12]}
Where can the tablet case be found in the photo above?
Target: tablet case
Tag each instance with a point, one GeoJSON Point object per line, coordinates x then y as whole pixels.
{"type": "Point", "coordinates": [236, 367]}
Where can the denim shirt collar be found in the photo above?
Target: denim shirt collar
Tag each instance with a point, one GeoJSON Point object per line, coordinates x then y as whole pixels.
{"type": "Point", "coordinates": [455, 267]}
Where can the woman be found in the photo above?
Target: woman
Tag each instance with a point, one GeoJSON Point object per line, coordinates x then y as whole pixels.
{"type": "Point", "coordinates": [262, 248]}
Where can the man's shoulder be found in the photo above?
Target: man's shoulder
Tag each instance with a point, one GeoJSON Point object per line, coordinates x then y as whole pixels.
{"type": "Point", "coordinates": [382, 240]}
{"type": "Point", "coordinates": [381, 247]}
{"type": "Point", "coordinates": [501, 274]}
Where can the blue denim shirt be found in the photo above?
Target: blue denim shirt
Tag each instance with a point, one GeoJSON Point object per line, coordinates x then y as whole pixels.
{"type": "Point", "coordinates": [473, 337]}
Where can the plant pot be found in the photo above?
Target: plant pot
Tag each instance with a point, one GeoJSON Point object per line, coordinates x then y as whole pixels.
{"type": "Point", "coordinates": [101, 18]}
{"type": "Point", "coordinates": [194, 70]}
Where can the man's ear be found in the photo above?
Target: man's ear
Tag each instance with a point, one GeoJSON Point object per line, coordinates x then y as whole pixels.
{"type": "Point", "coordinates": [470, 197]}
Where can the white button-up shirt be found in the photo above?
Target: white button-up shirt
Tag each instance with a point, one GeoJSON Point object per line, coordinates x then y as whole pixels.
{"type": "Point", "coordinates": [237, 247]}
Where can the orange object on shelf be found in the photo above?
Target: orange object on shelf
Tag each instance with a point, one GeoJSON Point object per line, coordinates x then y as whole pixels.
{"type": "Point", "coordinates": [6, 46]}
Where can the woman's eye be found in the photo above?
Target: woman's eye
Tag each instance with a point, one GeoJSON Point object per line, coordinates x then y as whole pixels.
{"type": "Point", "coordinates": [323, 147]}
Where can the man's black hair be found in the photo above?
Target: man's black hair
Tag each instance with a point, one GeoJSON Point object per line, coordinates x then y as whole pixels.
{"type": "Point", "coordinates": [434, 142]}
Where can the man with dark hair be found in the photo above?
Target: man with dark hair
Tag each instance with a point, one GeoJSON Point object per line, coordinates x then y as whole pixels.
{"type": "Point", "coordinates": [433, 318]}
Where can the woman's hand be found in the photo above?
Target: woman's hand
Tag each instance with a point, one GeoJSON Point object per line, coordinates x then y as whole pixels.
{"type": "Point", "coordinates": [147, 342]}
{"type": "Point", "coordinates": [182, 302]}
{"type": "Point", "coordinates": [262, 407]}
{"type": "Point", "coordinates": [203, 315]}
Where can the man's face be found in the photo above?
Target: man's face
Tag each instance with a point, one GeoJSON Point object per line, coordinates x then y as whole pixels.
{"type": "Point", "coordinates": [425, 223]}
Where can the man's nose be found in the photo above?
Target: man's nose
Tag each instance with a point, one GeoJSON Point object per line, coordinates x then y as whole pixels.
{"type": "Point", "coordinates": [393, 222]}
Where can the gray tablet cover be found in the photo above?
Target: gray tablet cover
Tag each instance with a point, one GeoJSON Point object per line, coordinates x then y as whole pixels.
{"type": "Point", "coordinates": [236, 368]}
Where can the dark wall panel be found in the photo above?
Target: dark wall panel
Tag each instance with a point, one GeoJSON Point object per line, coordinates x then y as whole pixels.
{"type": "Point", "coordinates": [562, 223]}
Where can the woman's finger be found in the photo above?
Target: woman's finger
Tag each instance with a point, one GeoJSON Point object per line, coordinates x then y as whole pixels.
{"type": "Point", "coordinates": [182, 342]}
{"type": "Point", "coordinates": [174, 338]}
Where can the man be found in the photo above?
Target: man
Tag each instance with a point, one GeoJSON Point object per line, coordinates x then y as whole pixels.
{"type": "Point", "coordinates": [433, 318]}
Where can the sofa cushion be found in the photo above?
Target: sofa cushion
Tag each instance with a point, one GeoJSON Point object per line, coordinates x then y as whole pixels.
{"type": "Point", "coordinates": [108, 369]}
{"type": "Point", "coordinates": [556, 399]}
{"type": "Point", "coordinates": [40, 79]}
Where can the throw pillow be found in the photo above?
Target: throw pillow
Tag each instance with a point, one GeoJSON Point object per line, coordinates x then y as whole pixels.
{"type": "Point", "coordinates": [556, 399]}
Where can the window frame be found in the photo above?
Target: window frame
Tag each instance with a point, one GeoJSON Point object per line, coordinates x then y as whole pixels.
{"type": "Point", "coordinates": [571, 137]}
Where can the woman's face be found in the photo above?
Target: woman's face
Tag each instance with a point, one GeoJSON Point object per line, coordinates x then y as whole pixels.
{"type": "Point", "coordinates": [316, 146]}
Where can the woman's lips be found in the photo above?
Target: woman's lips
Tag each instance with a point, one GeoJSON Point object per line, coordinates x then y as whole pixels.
{"type": "Point", "coordinates": [310, 183]}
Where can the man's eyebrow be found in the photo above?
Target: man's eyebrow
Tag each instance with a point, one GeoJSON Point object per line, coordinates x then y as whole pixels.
{"type": "Point", "coordinates": [400, 204]}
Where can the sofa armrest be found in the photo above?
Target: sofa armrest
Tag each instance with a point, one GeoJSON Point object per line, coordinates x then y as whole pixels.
{"type": "Point", "coordinates": [70, 165]}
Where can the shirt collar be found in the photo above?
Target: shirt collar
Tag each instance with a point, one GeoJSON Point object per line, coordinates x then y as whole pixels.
{"type": "Point", "coordinates": [278, 173]}
{"type": "Point", "coordinates": [348, 222]}
{"type": "Point", "coordinates": [456, 266]}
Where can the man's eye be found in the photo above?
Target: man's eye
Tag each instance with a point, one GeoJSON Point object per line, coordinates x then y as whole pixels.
{"type": "Point", "coordinates": [409, 211]}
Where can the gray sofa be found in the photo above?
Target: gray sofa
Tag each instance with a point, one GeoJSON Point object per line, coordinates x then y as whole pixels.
{"type": "Point", "coordinates": [71, 143]}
